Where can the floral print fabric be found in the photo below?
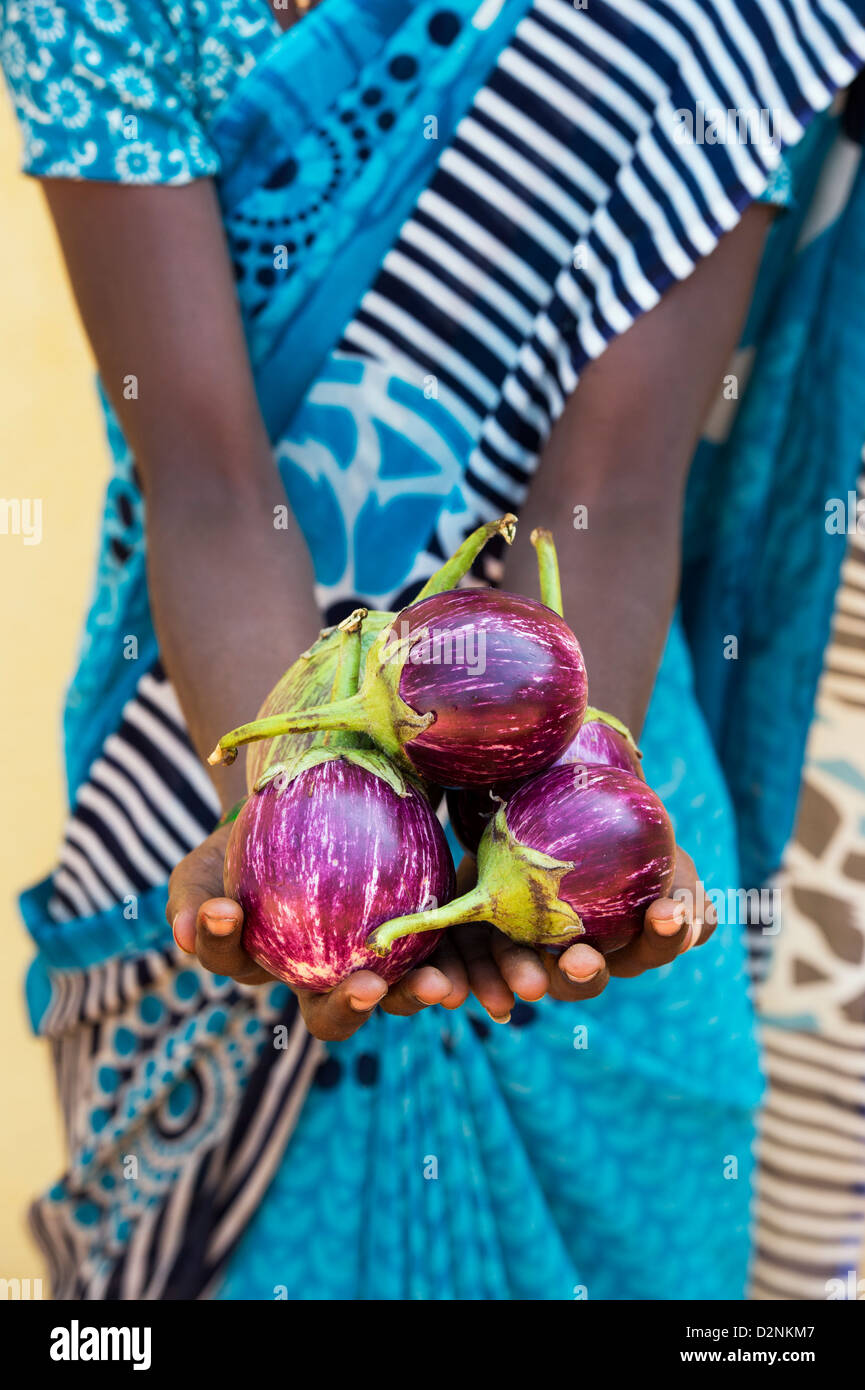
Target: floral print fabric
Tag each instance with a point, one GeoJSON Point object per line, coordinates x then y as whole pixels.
{"type": "Point", "coordinates": [123, 91]}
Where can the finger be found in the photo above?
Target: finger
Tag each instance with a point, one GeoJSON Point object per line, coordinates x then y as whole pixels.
{"type": "Point", "coordinates": [520, 967]}
{"type": "Point", "coordinates": [467, 874]}
{"type": "Point", "coordinates": [699, 909]}
{"type": "Point", "coordinates": [580, 972]}
{"type": "Point", "coordinates": [448, 960]}
{"type": "Point", "coordinates": [196, 878]}
{"type": "Point", "coordinates": [666, 932]}
{"type": "Point", "coordinates": [334, 1016]}
{"type": "Point", "coordinates": [218, 929]}
{"type": "Point", "coordinates": [417, 990]}
{"type": "Point", "coordinates": [182, 922]}
{"type": "Point", "coordinates": [703, 930]}
{"type": "Point", "coordinates": [485, 978]}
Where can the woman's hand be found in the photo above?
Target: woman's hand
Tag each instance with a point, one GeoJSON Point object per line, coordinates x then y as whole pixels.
{"type": "Point", "coordinates": [208, 925]}
{"type": "Point", "coordinates": [474, 960]}
{"type": "Point", "coordinates": [499, 969]}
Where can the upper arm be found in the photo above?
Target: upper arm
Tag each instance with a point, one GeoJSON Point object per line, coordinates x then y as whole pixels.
{"type": "Point", "coordinates": [631, 426]}
{"type": "Point", "coordinates": [154, 284]}
{"type": "Point", "coordinates": [109, 111]}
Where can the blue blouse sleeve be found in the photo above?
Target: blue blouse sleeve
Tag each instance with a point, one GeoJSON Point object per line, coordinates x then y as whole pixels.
{"type": "Point", "coordinates": [105, 89]}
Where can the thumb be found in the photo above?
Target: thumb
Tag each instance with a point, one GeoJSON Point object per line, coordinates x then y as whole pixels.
{"type": "Point", "coordinates": [197, 878]}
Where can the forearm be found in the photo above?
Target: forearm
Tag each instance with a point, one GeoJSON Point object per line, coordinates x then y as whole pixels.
{"type": "Point", "coordinates": [619, 585]}
{"type": "Point", "coordinates": [616, 480]}
{"type": "Point", "coordinates": [231, 592]}
{"type": "Point", "coordinates": [231, 595]}
{"type": "Point", "coordinates": [620, 454]}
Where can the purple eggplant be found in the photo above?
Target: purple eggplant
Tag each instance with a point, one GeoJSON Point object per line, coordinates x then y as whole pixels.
{"type": "Point", "coordinates": [604, 741]}
{"type": "Point", "coordinates": [601, 740]}
{"type": "Point", "coordinates": [308, 681]}
{"type": "Point", "coordinates": [322, 854]}
{"type": "Point", "coordinates": [578, 853]}
{"type": "Point", "coordinates": [328, 841]}
{"type": "Point", "coordinates": [464, 687]}
{"type": "Point", "coordinates": [503, 678]}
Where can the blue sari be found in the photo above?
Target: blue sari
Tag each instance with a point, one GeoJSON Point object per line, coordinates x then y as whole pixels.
{"type": "Point", "coordinates": [413, 342]}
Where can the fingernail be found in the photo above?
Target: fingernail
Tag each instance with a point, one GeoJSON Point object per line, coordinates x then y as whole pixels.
{"type": "Point", "coordinates": [363, 1006]}
{"type": "Point", "coordinates": [582, 979]}
{"type": "Point", "coordinates": [693, 937]}
{"type": "Point", "coordinates": [185, 949]}
{"type": "Point", "coordinates": [668, 926]}
{"type": "Point", "coordinates": [503, 1018]}
{"type": "Point", "coordinates": [219, 926]}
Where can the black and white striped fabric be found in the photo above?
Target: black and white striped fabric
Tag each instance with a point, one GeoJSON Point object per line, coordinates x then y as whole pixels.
{"type": "Point", "coordinates": [563, 208]}
{"type": "Point", "coordinates": [568, 202]}
{"type": "Point", "coordinates": [146, 804]}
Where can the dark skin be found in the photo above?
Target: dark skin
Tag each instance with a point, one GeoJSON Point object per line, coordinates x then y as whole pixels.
{"type": "Point", "coordinates": [232, 596]}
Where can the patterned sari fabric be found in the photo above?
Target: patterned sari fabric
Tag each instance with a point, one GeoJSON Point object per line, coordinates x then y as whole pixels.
{"type": "Point", "coordinates": [784, 451]}
{"type": "Point", "coordinates": [413, 340]}
{"type": "Point", "coordinates": [811, 1186]}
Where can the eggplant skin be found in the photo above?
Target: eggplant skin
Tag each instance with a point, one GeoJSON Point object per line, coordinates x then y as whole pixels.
{"type": "Point", "coordinates": [505, 678]}
{"type": "Point", "coordinates": [596, 744]}
{"type": "Point", "coordinates": [614, 830]}
{"type": "Point", "coordinates": [319, 863]}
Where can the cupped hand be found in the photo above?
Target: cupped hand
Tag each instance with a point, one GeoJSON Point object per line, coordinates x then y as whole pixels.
{"type": "Point", "coordinates": [474, 959]}
{"type": "Point", "coordinates": [208, 925]}
{"type": "Point", "coordinates": [500, 970]}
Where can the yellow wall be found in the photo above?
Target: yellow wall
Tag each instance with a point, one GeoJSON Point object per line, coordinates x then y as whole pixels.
{"type": "Point", "coordinates": [51, 447]}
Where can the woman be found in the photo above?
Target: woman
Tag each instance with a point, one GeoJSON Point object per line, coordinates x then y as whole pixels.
{"type": "Point", "coordinates": [408, 346]}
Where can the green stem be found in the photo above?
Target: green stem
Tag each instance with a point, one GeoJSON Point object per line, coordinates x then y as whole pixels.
{"type": "Point", "coordinates": [459, 564]}
{"type": "Point", "coordinates": [343, 715]}
{"type": "Point", "coordinates": [474, 906]}
{"type": "Point", "coordinates": [345, 682]}
{"type": "Point", "coordinates": [517, 891]}
{"type": "Point", "coordinates": [548, 569]}
{"type": "Point", "coordinates": [359, 714]}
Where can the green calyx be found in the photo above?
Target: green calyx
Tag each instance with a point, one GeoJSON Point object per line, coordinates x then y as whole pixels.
{"type": "Point", "coordinates": [375, 763]}
{"type": "Point", "coordinates": [517, 891]}
{"type": "Point", "coordinates": [377, 709]}
{"type": "Point", "coordinates": [308, 681]}
{"type": "Point", "coordinates": [324, 638]}
{"type": "Point", "coordinates": [599, 716]}
{"type": "Point", "coordinates": [338, 741]}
